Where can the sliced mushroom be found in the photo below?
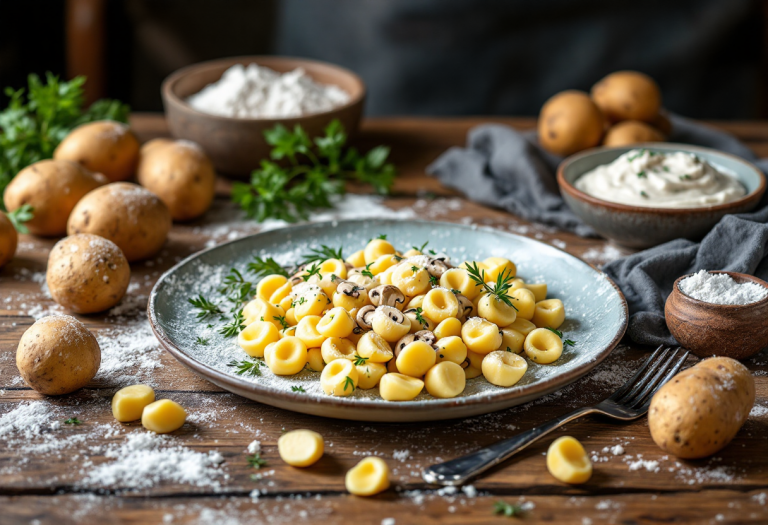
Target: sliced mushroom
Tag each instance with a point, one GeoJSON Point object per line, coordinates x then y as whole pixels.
{"type": "Point", "coordinates": [466, 308]}
{"type": "Point", "coordinates": [403, 342]}
{"type": "Point", "coordinates": [422, 335]}
{"type": "Point", "coordinates": [427, 336]}
{"type": "Point", "coordinates": [348, 266]}
{"type": "Point", "coordinates": [349, 289]}
{"type": "Point", "coordinates": [436, 267]}
{"type": "Point", "coordinates": [364, 317]}
{"type": "Point", "coordinates": [393, 313]}
{"type": "Point", "coordinates": [465, 363]}
{"type": "Point", "coordinates": [386, 295]}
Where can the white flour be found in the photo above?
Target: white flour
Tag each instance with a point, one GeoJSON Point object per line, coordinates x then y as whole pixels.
{"type": "Point", "coordinates": [260, 92]}
{"type": "Point", "coordinates": [720, 288]}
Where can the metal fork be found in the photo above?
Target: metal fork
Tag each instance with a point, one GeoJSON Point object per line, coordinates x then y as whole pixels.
{"type": "Point", "coordinates": [628, 403]}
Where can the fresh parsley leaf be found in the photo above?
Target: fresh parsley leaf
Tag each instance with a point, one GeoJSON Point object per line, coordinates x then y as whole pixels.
{"type": "Point", "coordinates": [298, 389]}
{"type": "Point", "coordinates": [73, 421]}
{"type": "Point", "coordinates": [21, 215]}
{"type": "Point", "coordinates": [502, 508]}
{"type": "Point", "coordinates": [206, 307]}
{"type": "Point", "coordinates": [310, 173]}
{"type": "Point", "coordinates": [246, 367]}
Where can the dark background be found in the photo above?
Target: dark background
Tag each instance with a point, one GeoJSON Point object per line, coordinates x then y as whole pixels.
{"type": "Point", "coordinates": [418, 57]}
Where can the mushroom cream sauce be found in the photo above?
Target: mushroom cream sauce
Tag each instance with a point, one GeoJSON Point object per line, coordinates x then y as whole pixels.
{"type": "Point", "coordinates": [642, 177]}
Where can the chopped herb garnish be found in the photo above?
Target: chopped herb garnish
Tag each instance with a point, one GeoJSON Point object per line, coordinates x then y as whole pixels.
{"type": "Point", "coordinates": [310, 271]}
{"type": "Point", "coordinates": [502, 508]}
{"type": "Point", "coordinates": [256, 462]}
{"type": "Point", "coordinates": [359, 361]}
{"type": "Point", "coordinates": [558, 333]}
{"type": "Point", "coordinates": [433, 280]}
{"type": "Point", "coordinates": [643, 194]}
{"type": "Point", "coordinates": [349, 383]}
{"type": "Point", "coordinates": [665, 168]}
{"type": "Point", "coordinates": [236, 288]}
{"type": "Point", "coordinates": [509, 350]}
{"type": "Point", "coordinates": [235, 326]}
{"type": "Point", "coordinates": [281, 319]}
{"type": "Point", "coordinates": [201, 341]}
{"type": "Point", "coordinates": [685, 177]}
{"type": "Point", "coordinates": [420, 248]}
{"type": "Point", "coordinates": [206, 307]}
{"type": "Point", "coordinates": [431, 252]}
{"type": "Point", "coordinates": [263, 267]}
{"type": "Point", "coordinates": [246, 367]}
{"type": "Point", "coordinates": [367, 272]}
{"type": "Point", "coordinates": [642, 174]}
{"type": "Point", "coordinates": [321, 254]}
{"type": "Point", "coordinates": [382, 237]}
{"type": "Point", "coordinates": [454, 291]}
{"type": "Point", "coordinates": [419, 317]}
{"type": "Point", "coordinates": [73, 421]}
{"type": "Point", "coordinates": [415, 269]}
{"type": "Point", "coordinates": [21, 215]}
{"type": "Point", "coordinates": [502, 285]}
{"type": "Point", "coordinates": [298, 389]}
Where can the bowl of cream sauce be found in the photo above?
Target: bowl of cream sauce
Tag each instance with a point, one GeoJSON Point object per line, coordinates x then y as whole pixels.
{"type": "Point", "coordinates": [648, 194]}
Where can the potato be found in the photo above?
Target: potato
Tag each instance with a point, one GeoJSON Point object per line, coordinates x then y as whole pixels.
{"type": "Point", "coordinates": [631, 132]}
{"type": "Point", "coordinates": [87, 273]}
{"type": "Point", "coordinates": [52, 188]}
{"type": "Point", "coordinates": [700, 410]}
{"type": "Point", "coordinates": [180, 174]}
{"type": "Point", "coordinates": [9, 239]}
{"type": "Point", "coordinates": [628, 95]}
{"type": "Point", "coordinates": [58, 355]}
{"type": "Point", "coordinates": [570, 122]}
{"type": "Point", "coordinates": [128, 215]}
{"type": "Point", "coordinates": [104, 146]}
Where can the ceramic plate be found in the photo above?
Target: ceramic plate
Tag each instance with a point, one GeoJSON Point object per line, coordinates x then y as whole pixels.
{"type": "Point", "coordinates": [596, 317]}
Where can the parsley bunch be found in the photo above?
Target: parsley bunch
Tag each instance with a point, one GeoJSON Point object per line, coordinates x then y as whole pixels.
{"type": "Point", "coordinates": [37, 120]}
{"type": "Point", "coordinates": [311, 172]}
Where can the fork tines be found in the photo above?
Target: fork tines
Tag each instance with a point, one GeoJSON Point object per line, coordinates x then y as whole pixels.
{"type": "Point", "coordinates": [657, 369]}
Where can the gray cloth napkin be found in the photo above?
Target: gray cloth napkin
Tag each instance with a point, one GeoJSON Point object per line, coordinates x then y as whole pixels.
{"type": "Point", "coordinates": [505, 168]}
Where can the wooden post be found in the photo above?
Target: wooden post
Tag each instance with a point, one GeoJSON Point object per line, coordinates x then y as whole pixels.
{"type": "Point", "coordinates": [85, 36]}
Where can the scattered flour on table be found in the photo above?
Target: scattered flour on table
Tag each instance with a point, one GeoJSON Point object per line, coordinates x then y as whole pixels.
{"type": "Point", "coordinates": [720, 288]}
{"type": "Point", "coordinates": [758, 411]}
{"type": "Point", "coordinates": [602, 256]}
{"type": "Point", "coordinates": [254, 91]}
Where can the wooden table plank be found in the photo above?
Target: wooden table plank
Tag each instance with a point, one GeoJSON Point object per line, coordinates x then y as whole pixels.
{"type": "Point", "coordinates": [623, 489]}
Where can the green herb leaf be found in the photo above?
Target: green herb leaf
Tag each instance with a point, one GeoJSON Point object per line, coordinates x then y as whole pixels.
{"type": "Point", "coordinates": [298, 389]}
{"type": "Point", "coordinates": [263, 267]}
{"type": "Point", "coordinates": [21, 215]}
{"type": "Point", "coordinates": [246, 367]}
{"type": "Point", "coordinates": [281, 319]}
{"type": "Point", "coordinates": [201, 341]}
{"type": "Point", "coordinates": [642, 175]}
{"type": "Point", "coordinates": [73, 421]}
{"type": "Point", "coordinates": [502, 508]}
{"type": "Point", "coordinates": [349, 383]}
{"type": "Point", "coordinates": [433, 280]}
{"type": "Point", "coordinates": [360, 361]}
{"type": "Point", "coordinates": [236, 289]}
{"type": "Point", "coordinates": [420, 248]}
{"type": "Point", "coordinates": [500, 289]}
{"type": "Point", "coordinates": [206, 307]}
{"type": "Point", "coordinates": [643, 194]}
{"type": "Point", "coordinates": [321, 254]}
{"type": "Point", "coordinates": [235, 326]}
{"type": "Point", "coordinates": [367, 272]}
{"type": "Point", "coordinates": [310, 271]}
{"type": "Point", "coordinates": [558, 333]}
{"type": "Point", "coordinates": [256, 461]}
{"type": "Point", "coordinates": [419, 317]}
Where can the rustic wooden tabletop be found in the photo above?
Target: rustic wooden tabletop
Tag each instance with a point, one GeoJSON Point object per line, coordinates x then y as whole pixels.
{"type": "Point", "coordinates": [46, 467]}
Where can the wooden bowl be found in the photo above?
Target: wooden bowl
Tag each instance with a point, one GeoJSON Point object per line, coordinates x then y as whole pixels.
{"type": "Point", "coordinates": [706, 329]}
{"type": "Point", "coordinates": [236, 146]}
{"type": "Point", "coordinates": [643, 226]}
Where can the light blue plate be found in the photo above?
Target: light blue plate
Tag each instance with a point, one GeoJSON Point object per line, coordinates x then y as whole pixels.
{"type": "Point", "coordinates": [596, 316]}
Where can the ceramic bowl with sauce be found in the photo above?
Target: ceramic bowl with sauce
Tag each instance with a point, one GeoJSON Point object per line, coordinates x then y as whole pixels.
{"type": "Point", "coordinates": [641, 226]}
{"type": "Point", "coordinates": [236, 146]}
{"type": "Point", "coordinates": [707, 329]}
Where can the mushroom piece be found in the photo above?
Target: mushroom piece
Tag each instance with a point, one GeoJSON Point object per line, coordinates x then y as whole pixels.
{"type": "Point", "coordinates": [418, 320]}
{"type": "Point", "coordinates": [387, 295]}
{"type": "Point", "coordinates": [427, 336]}
{"type": "Point", "coordinates": [364, 317]}
{"type": "Point", "coordinates": [466, 308]}
{"type": "Point", "coordinates": [349, 289]}
{"type": "Point", "coordinates": [393, 313]}
{"type": "Point", "coordinates": [403, 342]}
{"type": "Point", "coordinates": [465, 363]}
{"type": "Point", "coordinates": [436, 267]}
{"type": "Point", "coordinates": [422, 335]}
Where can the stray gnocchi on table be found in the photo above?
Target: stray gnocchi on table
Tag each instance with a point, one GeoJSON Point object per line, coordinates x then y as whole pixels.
{"type": "Point", "coordinates": [400, 321]}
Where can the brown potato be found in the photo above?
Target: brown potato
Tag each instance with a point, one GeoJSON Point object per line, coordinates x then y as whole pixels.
{"type": "Point", "coordinates": [700, 410]}
{"type": "Point", "coordinates": [104, 146]}
{"type": "Point", "coordinates": [58, 355]}
{"type": "Point", "coordinates": [130, 216]}
{"type": "Point", "coordinates": [628, 95]}
{"type": "Point", "coordinates": [570, 122]}
{"type": "Point", "coordinates": [52, 188]}
{"type": "Point", "coordinates": [180, 174]}
{"type": "Point", "coordinates": [630, 132]}
{"type": "Point", "coordinates": [87, 273]}
{"type": "Point", "coordinates": [9, 239]}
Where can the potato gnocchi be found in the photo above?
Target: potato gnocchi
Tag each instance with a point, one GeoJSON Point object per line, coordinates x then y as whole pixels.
{"type": "Point", "coordinates": [404, 322]}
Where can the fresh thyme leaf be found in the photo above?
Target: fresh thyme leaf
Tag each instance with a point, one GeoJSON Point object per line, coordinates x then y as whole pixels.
{"type": "Point", "coordinates": [298, 389]}
{"type": "Point", "coordinates": [420, 248]}
{"type": "Point", "coordinates": [502, 508]}
{"type": "Point", "coordinates": [73, 421]}
{"type": "Point", "coordinates": [236, 288]}
{"type": "Point", "coordinates": [415, 269]}
{"type": "Point", "coordinates": [310, 271]}
{"type": "Point", "coordinates": [558, 333]}
{"type": "Point", "coordinates": [310, 173]}
{"type": "Point", "coordinates": [348, 382]}
{"type": "Point", "coordinates": [433, 280]}
{"type": "Point", "coordinates": [281, 319]}
{"type": "Point", "coordinates": [500, 289]}
{"type": "Point", "coordinates": [685, 177]}
{"type": "Point", "coordinates": [419, 317]}
{"type": "Point", "coordinates": [642, 175]}
{"type": "Point", "coordinates": [235, 326]}
{"type": "Point", "coordinates": [256, 461]}
{"type": "Point", "coordinates": [454, 291]}
{"type": "Point", "coordinates": [201, 341]}
{"type": "Point", "coordinates": [569, 342]}
{"type": "Point", "coordinates": [360, 361]}
{"type": "Point", "coordinates": [321, 254]}
{"type": "Point", "coordinates": [206, 307]}
{"type": "Point", "coordinates": [38, 118]}
{"type": "Point", "coordinates": [21, 215]}
{"type": "Point", "coordinates": [643, 194]}
{"type": "Point", "coordinates": [246, 368]}
{"type": "Point", "coordinates": [263, 267]}
{"type": "Point", "coordinates": [367, 272]}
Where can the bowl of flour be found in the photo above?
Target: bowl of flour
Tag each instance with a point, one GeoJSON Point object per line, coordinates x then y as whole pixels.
{"type": "Point", "coordinates": [719, 313]}
{"type": "Point", "coordinates": [226, 105]}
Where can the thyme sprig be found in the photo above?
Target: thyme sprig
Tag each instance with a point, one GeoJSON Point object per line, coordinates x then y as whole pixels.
{"type": "Point", "coordinates": [246, 367]}
{"type": "Point", "coordinates": [21, 215]}
{"type": "Point", "coordinates": [235, 326]}
{"type": "Point", "coordinates": [360, 361]}
{"type": "Point", "coordinates": [558, 333]}
{"type": "Point", "coordinates": [348, 382]}
{"type": "Point", "coordinates": [263, 267]}
{"type": "Point", "coordinates": [295, 388]}
{"type": "Point", "coordinates": [419, 317]}
{"type": "Point", "coordinates": [502, 508]}
{"type": "Point", "coordinates": [256, 461]}
{"type": "Point", "coordinates": [367, 272]}
{"type": "Point", "coordinates": [206, 307]}
{"type": "Point", "coordinates": [201, 341]}
{"type": "Point", "coordinates": [321, 254]}
{"type": "Point", "coordinates": [72, 421]}
{"type": "Point", "coordinates": [281, 319]}
{"type": "Point", "coordinates": [310, 271]}
{"type": "Point", "coordinates": [501, 287]}
{"type": "Point", "coordinates": [236, 289]}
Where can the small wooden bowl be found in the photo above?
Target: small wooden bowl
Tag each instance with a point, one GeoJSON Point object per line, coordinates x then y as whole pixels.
{"type": "Point", "coordinates": [236, 146]}
{"type": "Point", "coordinates": [706, 329]}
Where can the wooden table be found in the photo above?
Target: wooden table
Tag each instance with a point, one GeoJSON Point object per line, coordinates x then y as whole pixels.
{"type": "Point", "coordinates": [46, 488]}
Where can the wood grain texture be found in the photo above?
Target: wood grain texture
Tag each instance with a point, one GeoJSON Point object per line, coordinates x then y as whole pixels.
{"type": "Point", "coordinates": [643, 485]}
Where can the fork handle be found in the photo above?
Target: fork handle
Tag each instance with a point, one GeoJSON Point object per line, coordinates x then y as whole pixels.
{"type": "Point", "coordinates": [458, 471]}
